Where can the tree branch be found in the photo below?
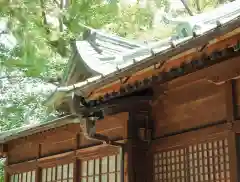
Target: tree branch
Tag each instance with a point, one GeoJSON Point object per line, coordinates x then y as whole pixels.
{"type": "Point", "coordinates": [44, 17]}
{"type": "Point", "coordinates": [187, 8]}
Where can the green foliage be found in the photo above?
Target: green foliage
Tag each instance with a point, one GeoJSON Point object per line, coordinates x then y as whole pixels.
{"type": "Point", "coordinates": [44, 31]}
{"type": "Point", "coordinates": [198, 6]}
{"type": "Point", "coordinates": [131, 20]}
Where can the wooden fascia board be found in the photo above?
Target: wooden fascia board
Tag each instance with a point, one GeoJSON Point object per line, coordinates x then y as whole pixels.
{"type": "Point", "coordinates": [190, 137]}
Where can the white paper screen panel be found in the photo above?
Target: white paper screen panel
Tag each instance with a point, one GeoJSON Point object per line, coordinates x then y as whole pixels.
{"type": "Point", "coordinates": [23, 177]}
{"type": "Point", "coordinates": [202, 162]}
{"type": "Point", "coordinates": [59, 173]}
{"type": "Point", "coordinates": [104, 169]}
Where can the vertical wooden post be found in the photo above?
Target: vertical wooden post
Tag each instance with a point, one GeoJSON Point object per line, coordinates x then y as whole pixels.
{"type": "Point", "coordinates": [128, 162]}
{"type": "Point", "coordinates": [233, 156]}
{"type": "Point", "coordinates": [76, 165]}
{"type": "Point", "coordinates": [38, 170]}
{"type": "Point", "coordinates": [230, 101]}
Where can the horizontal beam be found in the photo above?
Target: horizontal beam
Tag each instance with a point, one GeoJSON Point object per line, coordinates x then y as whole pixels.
{"type": "Point", "coordinates": [121, 104]}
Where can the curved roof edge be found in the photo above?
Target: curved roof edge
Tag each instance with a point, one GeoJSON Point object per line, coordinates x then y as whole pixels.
{"type": "Point", "coordinates": [142, 57]}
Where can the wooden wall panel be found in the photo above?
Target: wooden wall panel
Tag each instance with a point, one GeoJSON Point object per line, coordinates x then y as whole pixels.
{"type": "Point", "coordinates": [21, 152]}
{"type": "Point", "coordinates": [51, 141]}
{"type": "Point", "coordinates": [114, 126]}
{"type": "Point", "coordinates": [237, 99]}
{"type": "Point", "coordinates": [187, 107]}
{"type": "Point", "coordinates": [84, 142]}
{"type": "Point", "coordinates": [49, 148]}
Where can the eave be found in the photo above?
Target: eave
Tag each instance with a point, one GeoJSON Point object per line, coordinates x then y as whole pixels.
{"type": "Point", "coordinates": [205, 45]}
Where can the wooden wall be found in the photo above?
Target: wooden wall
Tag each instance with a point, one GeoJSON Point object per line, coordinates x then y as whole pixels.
{"type": "Point", "coordinates": [113, 126]}
{"type": "Point", "coordinates": [50, 142]}
{"type": "Point", "coordinates": [189, 106]}
{"type": "Point", "coordinates": [64, 139]}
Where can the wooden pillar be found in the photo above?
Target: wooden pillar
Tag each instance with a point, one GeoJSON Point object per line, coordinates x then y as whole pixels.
{"type": "Point", "coordinates": [233, 158]}
{"type": "Point", "coordinates": [76, 167]}
{"type": "Point", "coordinates": [38, 170]}
{"type": "Point", "coordinates": [230, 98]}
{"type": "Point", "coordinates": [137, 146]}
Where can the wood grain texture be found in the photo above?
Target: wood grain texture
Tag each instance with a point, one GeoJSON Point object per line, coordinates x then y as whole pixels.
{"type": "Point", "coordinates": [191, 106]}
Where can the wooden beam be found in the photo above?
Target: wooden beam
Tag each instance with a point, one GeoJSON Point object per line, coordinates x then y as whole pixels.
{"type": "Point", "coordinates": [117, 105]}
{"type": "Point", "coordinates": [230, 97]}
{"type": "Point", "coordinates": [233, 158]}
{"type": "Point", "coordinates": [212, 132]}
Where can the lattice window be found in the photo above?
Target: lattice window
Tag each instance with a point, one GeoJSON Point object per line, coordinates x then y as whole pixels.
{"type": "Point", "coordinates": [60, 173]}
{"type": "Point", "coordinates": [209, 161]}
{"type": "Point", "coordinates": [23, 177]}
{"type": "Point", "coordinates": [170, 166]}
{"type": "Point", "coordinates": [106, 168]}
{"type": "Point", "coordinates": [203, 162]}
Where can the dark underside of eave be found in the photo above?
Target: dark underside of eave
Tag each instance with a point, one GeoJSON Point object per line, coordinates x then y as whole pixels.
{"type": "Point", "coordinates": [141, 87]}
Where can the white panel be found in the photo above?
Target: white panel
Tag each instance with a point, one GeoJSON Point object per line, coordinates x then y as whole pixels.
{"type": "Point", "coordinates": [20, 178]}
{"type": "Point", "coordinates": [44, 175]}
{"type": "Point", "coordinates": [65, 171]}
{"type": "Point", "coordinates": [104, 165]}
{"type": "Point", "coordinates": [33, 176]}
{"type": "Point", "coordinates": [16, 178]}
{"type": "Point", "coordinates": [84, 168]}
{"type": "Point", "coordinates": [90, 179]}
{"type": "Point", "coordinates": [83, 180]}
{"type": "Point", "coordinates": [118, 177]}
{"type": "Point", "coordinates": [90, 167]}
{"type": "Point", "coordinates": [96, 179]}
{"type": "Point", "coordinates": [111, 177]}
{"type": "Point", "coordinates": [29, 176]}
{"type": "Point", "coordinates": [118, 162]}
{"type": "Point", "coordinates": [24, 177]}
{"type": "Point", "coordinates": [71, 170]}
{"type": "Point", "coordinates": [59, 172]}
{"type": "Point", "coordinates": [53, 173]}
{"type": "Point", "coordinates": [104, 178]}
{"type": "Point", "coordinates": [49, 174]}
{"type": "Point", "coordinates": [112, 163]}
{"type": "Point", "coordinates": [96, 166]}
{"type": "Point", "coordinates": [12, 178]}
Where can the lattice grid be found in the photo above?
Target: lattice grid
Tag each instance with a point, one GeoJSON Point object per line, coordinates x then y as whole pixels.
{"type": "Point", "coordinates": [105, 169]}
{"type": "Point", "coordinates": [202, 162]}
{"type": "Point", "coordinates": [23, 177]}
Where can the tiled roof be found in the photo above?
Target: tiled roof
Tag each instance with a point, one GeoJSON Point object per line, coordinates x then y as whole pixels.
{"type": "Point", "coordinates": [106, 53]}
{"type": "Point", "coordinates": [109, 57]}
{"type": "Point", "coordinates": [135, 57]}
